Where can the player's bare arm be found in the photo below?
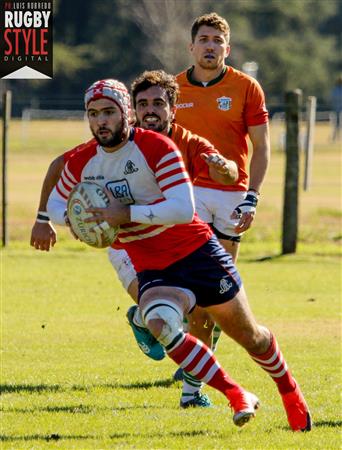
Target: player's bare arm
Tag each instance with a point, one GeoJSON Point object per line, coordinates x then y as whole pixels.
{"type": "Point", "coordinates": [43, 234]}
{"type": "Point", "coordinates": [260, 138]}
{"type": "Point", "coordinates": [221, 170]}
{"type": "Point", "coordinates": [245, 212]}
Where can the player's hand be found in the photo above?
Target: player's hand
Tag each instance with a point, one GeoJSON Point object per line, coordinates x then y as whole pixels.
{"type": "Point", "coordinates": [68, 224]}
{"type": "Point", "coordinates": [245, 212]}
{"type": "Point", "coordinates": [43, 236]}
{"type": "Point", "coordinates": [114, 214]}
{"type": "Point", "coordinates": [217, 162]}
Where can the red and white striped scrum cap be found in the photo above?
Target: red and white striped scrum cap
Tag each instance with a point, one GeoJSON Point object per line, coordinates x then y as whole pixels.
{"type": "Point", "coordinates": [113, 90]}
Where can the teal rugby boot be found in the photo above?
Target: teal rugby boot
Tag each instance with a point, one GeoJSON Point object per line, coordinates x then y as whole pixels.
{"type": "Point", "coordinates": [147, 343]}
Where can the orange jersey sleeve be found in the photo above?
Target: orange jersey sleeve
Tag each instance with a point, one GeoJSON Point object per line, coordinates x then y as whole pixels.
{"type": "Point", "coordinates": [222, 112]}
{"type": "Point", "coordinates": [191, 146]}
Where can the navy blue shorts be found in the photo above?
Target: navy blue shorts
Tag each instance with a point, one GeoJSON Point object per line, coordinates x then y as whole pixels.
{"type": "Point", "coordinates": [208, 272]}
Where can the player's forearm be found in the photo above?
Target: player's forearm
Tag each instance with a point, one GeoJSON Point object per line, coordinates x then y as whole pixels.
{"type": "Point", "coordinates": [258, 167]}
{"type": "Point", "coordinates": [179, 208]}
{"type": "Point", "coordinates": [260, 159]}
{"type": "Point", "coordinates": [50, 180]}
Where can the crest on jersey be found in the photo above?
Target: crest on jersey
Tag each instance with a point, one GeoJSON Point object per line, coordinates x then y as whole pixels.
{"type": "Point", "coordinates": [130, 167]}
{"type": "Point", "coordinates": [224, 103]}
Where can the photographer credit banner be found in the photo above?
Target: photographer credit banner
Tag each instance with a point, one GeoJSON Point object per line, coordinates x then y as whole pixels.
{"type": "Point", "coordinates": [26, 44]}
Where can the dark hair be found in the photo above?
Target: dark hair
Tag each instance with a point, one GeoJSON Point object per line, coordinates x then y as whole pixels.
{"type": "Point", "coordinates": [155, 78]}
{"type": "Point", "coordinates": [211, 20]}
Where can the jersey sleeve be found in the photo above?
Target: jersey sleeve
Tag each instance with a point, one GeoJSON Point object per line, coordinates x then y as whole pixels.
{"type": "Point", "coordinates": [57, 202]}
{"type": "Point", "coordinates": [255, 108]}
{"type": "Point", "coordinates": [67, 155]}
{"type": "Point", "coordinates": [166, 162]}
{"type": "Point", "coordinates": [197, 166]}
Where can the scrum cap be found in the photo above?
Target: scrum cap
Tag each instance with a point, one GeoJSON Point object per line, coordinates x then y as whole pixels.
{"type": "Point", "coordinates": [113, 90]}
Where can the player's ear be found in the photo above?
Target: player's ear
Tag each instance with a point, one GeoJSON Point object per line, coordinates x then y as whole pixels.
{"type": "Point", "coordinates": [227, 51]}
{"type": "Point", "coordinates": [191, 47]}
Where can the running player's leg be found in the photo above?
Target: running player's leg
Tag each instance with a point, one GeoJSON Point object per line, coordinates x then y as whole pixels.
{"type": "Point", "coordinates": [123, 266]}
{"type": "Point", "coordinates": [163, 308]}
{"type": "Point", "coordinates": [201, 326]}
{"type": "Point", "coordinates": [237, 321]}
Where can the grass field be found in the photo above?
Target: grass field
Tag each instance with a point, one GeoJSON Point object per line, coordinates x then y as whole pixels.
{"type": "Point", "coordinates": [71, 374]}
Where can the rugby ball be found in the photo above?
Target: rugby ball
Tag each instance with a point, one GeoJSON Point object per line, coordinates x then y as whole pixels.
{"type": "Point", "coordinates": [87, 195]}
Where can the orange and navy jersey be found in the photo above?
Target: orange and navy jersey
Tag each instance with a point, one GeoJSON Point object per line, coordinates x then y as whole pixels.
{"type": "Point", "coordinates": [191, 146]}
{"type": "Point", "coordinates": [143, 173]}
{"type": "Point", "coordinates": [221, 112]}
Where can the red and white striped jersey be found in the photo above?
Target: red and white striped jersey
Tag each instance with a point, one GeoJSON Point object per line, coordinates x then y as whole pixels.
{"type": "Point", "coordinates": [148, 174]}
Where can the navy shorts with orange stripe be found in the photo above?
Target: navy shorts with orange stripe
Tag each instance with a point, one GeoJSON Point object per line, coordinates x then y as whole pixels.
{"type": "Point", "coordinates": [208, 272]}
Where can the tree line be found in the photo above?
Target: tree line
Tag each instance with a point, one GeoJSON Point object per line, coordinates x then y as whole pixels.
{"type": "Point", "coordinates": [295, 43]}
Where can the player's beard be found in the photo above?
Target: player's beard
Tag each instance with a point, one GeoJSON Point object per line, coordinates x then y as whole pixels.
{"type": "Point", "coordinates": [208, 65]}
{"type": "Point", "coordinates": [113, 139]}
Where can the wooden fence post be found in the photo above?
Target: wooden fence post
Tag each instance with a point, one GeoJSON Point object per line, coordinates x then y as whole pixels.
{"type": "Point", "coordinates": [310, 120]}
{"type": "Point", "coordinates": [6, 115]}
{"type": "Point", "coordinates": [290, 211]}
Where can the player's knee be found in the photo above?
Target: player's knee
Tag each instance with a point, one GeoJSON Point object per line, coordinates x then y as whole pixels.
{"type": "Point", "coordinates": [164, 319]}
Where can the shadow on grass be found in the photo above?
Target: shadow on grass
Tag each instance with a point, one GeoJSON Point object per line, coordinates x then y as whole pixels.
{"type": "Point", "coordinates": [42, 437]}
{"type": "Point", "coordinates": [328, 424]}
{"type": "Point", "coordinates": [280, 256]}
{"type": "Point", "coordinates": [58, 437]}
{"type": "Point", "coordinates": [320, 424]}
{"type": "Point", "coordinates": [41, 388]}
{"type": "Point", "coordinates": [79, 409]}
{"type": "Point", "coordinates": [29, 388]}
{"type": "Point", "coordinates": [192, 433]}
{"type": "Point", "coordinates": [143, 385]}
{"type": "Point", "coordinates": [265, 258]}
{"type": "Point", "coordinates": [162, 435]}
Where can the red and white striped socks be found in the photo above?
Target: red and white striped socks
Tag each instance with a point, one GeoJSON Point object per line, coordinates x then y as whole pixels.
{"type": "Point", "coordinates": [196, 358]}
{"type": "Point", "coordinates": [273, 362]}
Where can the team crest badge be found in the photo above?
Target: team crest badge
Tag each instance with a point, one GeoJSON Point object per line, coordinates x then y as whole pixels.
{"type": "Point", "coordinates": [224, 103]}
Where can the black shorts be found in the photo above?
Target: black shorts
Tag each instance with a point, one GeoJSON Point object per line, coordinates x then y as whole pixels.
{"type": "Point", "coordinates": [208, 272]}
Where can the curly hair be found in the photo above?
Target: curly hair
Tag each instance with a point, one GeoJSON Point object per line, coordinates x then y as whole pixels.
{"type": "Point", "coordinates": [155, 78]}
{"type": "Point", "coordinates": [210, 20]}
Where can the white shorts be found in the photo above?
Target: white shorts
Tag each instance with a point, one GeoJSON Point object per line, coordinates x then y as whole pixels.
{"type": "Point", "coordinates": [123, 265]}
{"type": "Point", "coordinates": [216, 206]}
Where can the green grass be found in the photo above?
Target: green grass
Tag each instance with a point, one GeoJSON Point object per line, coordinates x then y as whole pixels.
{"type": "Point", "coordinates": [71, 373]}
{"type": "Point", "coordinates": [72, 376]}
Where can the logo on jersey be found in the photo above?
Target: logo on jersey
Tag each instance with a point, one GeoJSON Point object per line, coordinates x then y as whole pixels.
{"type": "Point", "coordinates": [120, 190]}
{"type": "Point", "coordinates": [225, 286]}
{"type": "Point", "coordinates": [92, 178]}
{"type": "Point", "coordinates": [130, 167]}
{"type": "Point", "coordinates": [224, 103]}
{"type": "Point", "coordinates": [184, 105]}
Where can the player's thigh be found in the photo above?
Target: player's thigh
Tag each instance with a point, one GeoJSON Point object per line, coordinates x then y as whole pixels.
{"type": "Point", "coordinates": [224, 203]}
{"type": "Point", "coordinates": [203, 204]}
{"type": "Point", "coordinates": [231, 247]}
{"type": "Point", "coordinates": [236, 319]}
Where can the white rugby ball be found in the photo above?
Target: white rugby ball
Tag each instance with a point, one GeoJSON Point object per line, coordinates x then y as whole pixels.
{"type": "Point", "coordinates": [87, 195]}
